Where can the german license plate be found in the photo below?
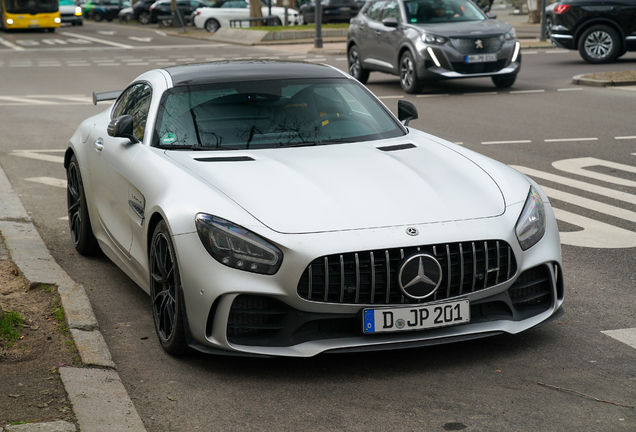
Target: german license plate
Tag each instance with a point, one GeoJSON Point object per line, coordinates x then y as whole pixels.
{"type": "Point", "coordinates": [416, 317]}
{"type": "Point", "coordinates": [480, 58]}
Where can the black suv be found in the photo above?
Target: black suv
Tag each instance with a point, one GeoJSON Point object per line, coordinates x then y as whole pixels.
{"type": "Point", "coordinates": [602, 31]}
{"type": "Point", "coordinates": [141, 11]}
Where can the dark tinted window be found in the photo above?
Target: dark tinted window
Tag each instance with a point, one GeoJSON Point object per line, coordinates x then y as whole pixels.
{"type": "Point", "coordinates": [135, 101]}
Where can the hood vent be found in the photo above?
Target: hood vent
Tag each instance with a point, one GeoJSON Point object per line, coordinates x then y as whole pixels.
{"type": "Point", "coordinates": [397, 147]}
{"type": "Point", "coordinates": [225, 159]}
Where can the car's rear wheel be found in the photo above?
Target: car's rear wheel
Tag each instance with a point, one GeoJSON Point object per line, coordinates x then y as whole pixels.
{"type": "Point", "coordinates": [97, 17]}
{"type": "Point", "coordinates": [599, 44]}
{"type": "Point", "coordinates": [79, 223]}
{"type": "Point", "coordinates": [165, 292]}
{"type": "Point", "coordinates": [548, 27]}
{"type": "Point", "coordinates": [504, 81]}
{"type": "Point", "coordinates": [166, 22]}
{"type": "Point", "coordinates": [144, 17]}
{"type": "Point", "coordinates": [408, 75]}
{"type": "Point", "coordinates": [212, 25]}
{"type": "Point", "coordinates": [355, 65]}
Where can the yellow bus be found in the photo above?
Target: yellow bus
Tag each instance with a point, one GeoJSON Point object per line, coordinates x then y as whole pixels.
{"type": "Point", "coordinates": [29, 14]}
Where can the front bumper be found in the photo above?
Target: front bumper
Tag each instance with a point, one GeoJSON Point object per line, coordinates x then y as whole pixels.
{"type": "Point", "coordinates": [235, 312]}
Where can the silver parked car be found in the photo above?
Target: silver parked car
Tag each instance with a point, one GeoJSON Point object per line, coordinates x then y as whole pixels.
{"type": "Point", "coordinates": [422, 40]}
{"type": "Point", "coordinates": [280, 209]}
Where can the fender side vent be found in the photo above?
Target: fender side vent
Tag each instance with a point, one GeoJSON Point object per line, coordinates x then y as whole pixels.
{"type": "Point", "coordinates": [396, 147]}
{"type": "Point", "coordinates": [225, 159]}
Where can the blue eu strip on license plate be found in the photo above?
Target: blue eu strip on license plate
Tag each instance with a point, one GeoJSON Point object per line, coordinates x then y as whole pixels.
{"type": "Point", "coordinates": [415, 317]}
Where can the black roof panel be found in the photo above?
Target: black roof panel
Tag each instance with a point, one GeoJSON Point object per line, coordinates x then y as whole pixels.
{"type": "Point", "coordinates": [248, 70]}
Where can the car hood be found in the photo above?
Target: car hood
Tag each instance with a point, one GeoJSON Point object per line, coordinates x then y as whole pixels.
{"type": "Point", "coordinates": [350, 186]}
{"type": "Point", "coordinates": [466, 29]}
{"type": "Point", "coordinates": [67, 8]}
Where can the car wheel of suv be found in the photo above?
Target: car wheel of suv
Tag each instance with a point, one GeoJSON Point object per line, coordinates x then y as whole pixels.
{"type": "Point", "coordinates": [355, 66]}
{"type": "Point", "coordinates": [408, 76]}
{"type": "Point", "coordinates": [599, 44]}
{"type": "Point", "coordinates": [504, 81]}
{"type": "Point", "coordinates": [548, 27]}
{"type": "Point", "coordinates": [165, 292]}
{"type": "Point", "coordinates": [97, 17]}
{"type": "Point", "coordinates": [144, 17]}
{"type": "Point", "coordinates": [212, 25]}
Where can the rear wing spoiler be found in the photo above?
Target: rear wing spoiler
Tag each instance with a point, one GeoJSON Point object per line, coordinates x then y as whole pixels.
{"type": "Point", "coordinates": [105, 96]}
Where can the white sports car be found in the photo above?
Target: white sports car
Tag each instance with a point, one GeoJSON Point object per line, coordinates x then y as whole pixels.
{"type": "Point", "coordinates": [280, 209]}
{"type": "Point", "coordinates": [224, 11]}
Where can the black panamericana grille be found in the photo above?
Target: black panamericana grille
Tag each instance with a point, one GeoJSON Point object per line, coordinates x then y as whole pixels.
{"type": "Point", "coordinates": [470, 45]}
{"type": "Point", "coordinates": [533, 287]}
{"type": "Point", "coordinates": [371, 277]}
{"type": "Point", "coordinates": [255, 316]}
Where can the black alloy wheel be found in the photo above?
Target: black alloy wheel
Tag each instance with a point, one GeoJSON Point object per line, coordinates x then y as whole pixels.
{"type": "Point", "coordinates": [79, 223]}
{"type": "Point", "coordinates": [212, 25]}
{"type": "Point", "coordinates": [355, 66]}
{"type": "Point", "coordinates": [504, 81]}
{"type": "Point", "coordinates": [599, 44]}
{"type": "Point", "coordinates": [165, 293]}
{"type": "Point", "coordinates": [408, 75]}
{"type": "Point", "coordinates": [144, 17]}
{"type": "Point", "coordinates": [548, 27]}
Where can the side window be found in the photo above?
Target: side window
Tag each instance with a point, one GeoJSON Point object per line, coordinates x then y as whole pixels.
{"type": "Point", "coordinates": [391, 10]}
{"type": "Point", "coordinates": [136, 102]}
{"type": "Point", "coordinates": [375, 10]}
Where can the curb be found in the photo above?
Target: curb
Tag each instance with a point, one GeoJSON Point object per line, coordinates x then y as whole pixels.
{"type": "Point", "coordinates": [584, 80]}
{"type": "Point", "coordinates": [94, 398]}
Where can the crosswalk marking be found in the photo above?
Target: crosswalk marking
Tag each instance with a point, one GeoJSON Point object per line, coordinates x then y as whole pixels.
{"type": "Point", "coordinates": [627, 336]}
{"type": "Point", "coordinates": [590, 204]}
{"type": "Point", "coordinates": [595, 234]}
{"type": "Point", "coordinates": [49, 181]}
{"type": "Point", "coordinates": [40, 155]}
{"type": "Point", "coordinates": [577, 166]}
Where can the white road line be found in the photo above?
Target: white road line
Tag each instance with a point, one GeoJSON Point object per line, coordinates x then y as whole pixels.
{"type": "Point", "coordinates": [432, 95]}
{"type": "Point", "coordinates": [595, 234]}
{"type": "Point", "coordinates": [341, 59]}
{"type": "Point", "coordinates": [27, 101]}
{"type": "Point", "coordinates": [138, 64]}
{"type": "Point", "coordinates": [529, 52]}
{"type": "Point", "coordinates": [570, 139]}
{"type": "Point", "coordinates": [625, 137]}
{"type": "Point", "coordinates": [39, 155]}
{"type": "Point", "coordinates": [627, 336]}
{"type": "Point", "coordinates": [10, 45]}
{"type": "Point", "coordinates": [526, 91]}
{"type": "Point", "coordinates": [569, 89]}
{"type": "Point", "coordinates": [590, 204]}
{"type": "Point", "coordinates": [101, 41]}
{"type": "Point", "coordinates": [507, 142]}
{"type": "Point", "coordinates": [480, 94]}
{"type": "Point", "coordinates": [576, 166]}
{"type": "Point", "coordinates": [577, 184]}
{"type": "Point", "coordinates": [556, 51]}
{"type": "Point", "coordinates": [49, 181]}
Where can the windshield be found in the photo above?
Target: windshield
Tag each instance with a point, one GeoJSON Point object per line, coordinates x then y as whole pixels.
{"type": "Point", "coordinates": [442, 11]}
{"type": "Point", "coordinates": [67, 3]}
{"type": "Point", "coordinates": [31, 6]}
{"type": "Point", "coordinates": [269, 114]}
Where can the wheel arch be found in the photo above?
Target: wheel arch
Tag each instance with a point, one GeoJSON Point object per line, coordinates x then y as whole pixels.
{"type": "Point", "coordinates": [600, 21]}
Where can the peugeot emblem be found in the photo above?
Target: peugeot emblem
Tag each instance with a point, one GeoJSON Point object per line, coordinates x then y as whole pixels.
{"type": "Point", "coordinates": [479, 44]}
{"type": "Point", "coordinates": [420, 275]}
{"type": "Point", "coordinates": [412, 231]}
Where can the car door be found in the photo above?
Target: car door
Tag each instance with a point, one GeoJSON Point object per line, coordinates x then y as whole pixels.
{"type": "Point", "coordinates": [389, 37]}
{"type": "Point", "coordinates": [368, 42]}
{"type": "Point", "coordinates": [109, 166]}
{"type": "Point", "coordinates": [624, 12]}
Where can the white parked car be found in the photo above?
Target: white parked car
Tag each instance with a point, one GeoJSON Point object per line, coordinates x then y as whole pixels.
{"type": "Point", "coordinates": [223, 11]}
{"type": "Point", "coordinates": [280, 209]}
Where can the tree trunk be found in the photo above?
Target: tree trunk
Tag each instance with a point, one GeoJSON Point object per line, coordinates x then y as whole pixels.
{"type": "Point", "coordinates": [255, 12]}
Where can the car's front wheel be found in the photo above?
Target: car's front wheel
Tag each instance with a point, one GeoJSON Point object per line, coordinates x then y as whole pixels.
{"type": "Point", "coordinates": [504, 81]}
{"type": "Point", "coordinates": [355, 65]}
{"type": "Point", "coordinates": [599, 44]}
{"type": "Point", "coordinates": [144, 18]}
{"type": "Point", "coordinates": [97, 17]}
{"type": "Point", "coordinates": [408, 75]}
{"type": "Point", "coordinates": [165, 292]}
{"type": "Point", "coordinates": [166, 22]}
{"type": "Point", "coordinates": [212, 25]}
{"type": "Point", "coordinates": [79, 223]}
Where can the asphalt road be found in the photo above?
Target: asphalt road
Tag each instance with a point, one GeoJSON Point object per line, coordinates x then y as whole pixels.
{"type": "Point", "coordinates": [578, 142]}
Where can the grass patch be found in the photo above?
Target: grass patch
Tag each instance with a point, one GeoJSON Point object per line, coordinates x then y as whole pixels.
{"type": "Point", "coordinates": [10, 325]}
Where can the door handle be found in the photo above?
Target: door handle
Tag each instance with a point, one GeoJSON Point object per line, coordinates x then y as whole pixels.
{"type": "Point", "coordinates": [99, 144]}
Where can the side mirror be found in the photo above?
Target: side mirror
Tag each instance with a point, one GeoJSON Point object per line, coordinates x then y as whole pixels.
{"type": "Point", "coordinates": [390, 22]}
{"type": "Point", "coordinates": [122, 127]}
{"type": "Point", "coordinates": [491, 15]}
{"type": "Point", "coordinates": [406, 112]}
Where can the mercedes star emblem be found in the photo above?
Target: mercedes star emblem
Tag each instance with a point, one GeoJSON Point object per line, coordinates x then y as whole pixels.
{"type": "Point", "coordinates": [420, 275]}
{"type": "Point", "coordinates": [412, 231]}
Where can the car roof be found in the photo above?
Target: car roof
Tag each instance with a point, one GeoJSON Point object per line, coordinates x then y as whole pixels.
{"type": "Point", "coordinates": [248, 70]}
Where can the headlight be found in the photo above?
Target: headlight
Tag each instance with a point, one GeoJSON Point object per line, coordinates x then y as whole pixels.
{"type": "Point", "coordinates": [512, 34]}
{"type": "Point", "coordinates": [78, 11]}
{"type": "Point", "coordinates": [57, 20]}
{"type": "Point", "coordinates": [531, 224]}
{"type": "Point", "coordinates": [236, 246]}
{"type": "Point", "coordinates": [434, 39]}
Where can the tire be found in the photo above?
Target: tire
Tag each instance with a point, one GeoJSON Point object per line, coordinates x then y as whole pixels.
{"type": "Point", "coordinates": [97, 17]}
{"type": "Point", "coordinates": [548, 27]}
{"type": "Point", "coordinates": [301, 19]}
{"type": "Point", "coordinates": [212, 25]}
{"type": "Point", "coordinates": [504, 81]}
{"type": "Point", "coordinates": [599, 44]}
{"type": "Point", "coordinates": [166, 22]}
{"type": "Point", "coordinates": [355, 65]}
{"type": "Point", "coordinates": [408, 75]}
{"type": "Point", "coordinates": [165, 293]}
{"type": "Point", "coordinates": [79, 222]}
{"type": "Point", "coordinates": [144, 17]}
